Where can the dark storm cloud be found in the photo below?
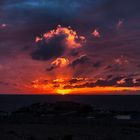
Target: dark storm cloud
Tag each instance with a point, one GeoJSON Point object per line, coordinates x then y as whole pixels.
{"type": "Point", "coordinates": [35, 16]}
{"type": "Point", "coordinates": [54, 43]}
{"type": "Point", "coordinates": [51, 49]}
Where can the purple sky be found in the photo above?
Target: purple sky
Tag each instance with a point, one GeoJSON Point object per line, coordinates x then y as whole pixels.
{"type": "Point", "coordinates": [106, 47]}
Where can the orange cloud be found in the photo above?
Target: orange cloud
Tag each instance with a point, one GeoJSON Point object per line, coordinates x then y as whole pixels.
{"type": "Point", "coordinates": [60, 62]}
{"type": "Point", "coordinates": [57, 43]}
{"type": "Point", "coordinates": [72, 40]}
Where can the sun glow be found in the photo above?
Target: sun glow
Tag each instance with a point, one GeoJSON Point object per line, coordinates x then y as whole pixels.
{"type": "Point", "coordinates": [63, 91]}
{"type": "Point", "coordinates": [73, 86]}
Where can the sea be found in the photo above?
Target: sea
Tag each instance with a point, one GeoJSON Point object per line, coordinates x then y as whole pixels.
{"type": "Point", "coordinates": [113, 102]}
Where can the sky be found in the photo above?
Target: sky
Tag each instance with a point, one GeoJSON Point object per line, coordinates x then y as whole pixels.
{"type": "Point", "coordinates": [69, 47]}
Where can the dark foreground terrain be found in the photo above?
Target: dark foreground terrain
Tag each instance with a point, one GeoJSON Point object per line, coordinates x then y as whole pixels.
{"type": "Point", "coordinates": [68, 121]}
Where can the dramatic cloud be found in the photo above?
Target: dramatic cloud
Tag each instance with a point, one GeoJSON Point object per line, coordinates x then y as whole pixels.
{"type": "Point", "coordinates": [55, 43]}
{"type": "Point", "coordinates": [59, 62]}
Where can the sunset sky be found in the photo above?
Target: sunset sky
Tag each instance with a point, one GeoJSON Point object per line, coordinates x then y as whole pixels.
{"type": "Point", "coordinates": [69, 46]}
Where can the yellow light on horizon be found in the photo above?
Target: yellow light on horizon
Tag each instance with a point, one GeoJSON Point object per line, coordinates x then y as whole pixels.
{"type": "Point", "coordinates": [63, 91]}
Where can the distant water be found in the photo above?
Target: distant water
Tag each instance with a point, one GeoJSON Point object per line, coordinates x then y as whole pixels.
{"type": "Point", "coordinates": [116, 102]}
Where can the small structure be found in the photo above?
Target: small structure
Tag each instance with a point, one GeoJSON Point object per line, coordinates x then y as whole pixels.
{"type": "Point", "coordinates": [123, 117]}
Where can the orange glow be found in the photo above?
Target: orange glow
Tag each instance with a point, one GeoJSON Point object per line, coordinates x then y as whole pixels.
{"type": "Point", "coordinates": [57, 86]}
{"type": "Point", "coordinates": [61, 62]}
{"type": "Point", "coordinates": [58, 80]}
{"type": "Point", "coordinates": [103, 90]}
{"type": "Point", "coordinates": [71, 36]}
{"type": "Point", "coordinates": [63, 91]}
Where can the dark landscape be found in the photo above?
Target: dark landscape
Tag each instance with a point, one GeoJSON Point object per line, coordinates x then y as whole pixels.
{"type": "Point", "coordinates": [58, 119]}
